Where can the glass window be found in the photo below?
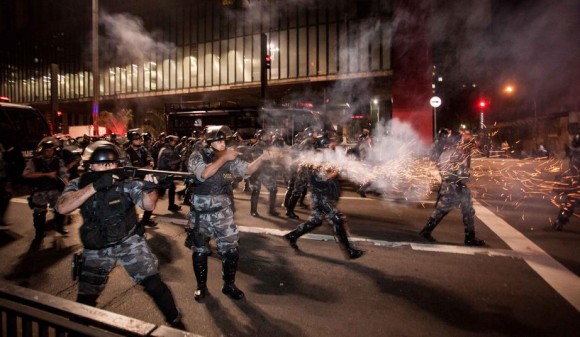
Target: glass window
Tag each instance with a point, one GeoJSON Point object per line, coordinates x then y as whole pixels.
{"type": "Point", "coordinates": [312, 51]}
{"type": "Point", "coordinates": [216, 63]}
{"type": "Point", "coordinates": [239, 60]}
{"type": "Point", "coordinates": [342, 49]}
{"type": "Point", "coordinates": [193, 67]}
{"type": "Point", "coordinates": [247, 59]}
{"type": "Point", "coordinates": [274, 50]}
{"type": "Point", "coordinates": [292, 53]}
{"type": "Point", "coordinates": [223, 59]}
{"type": "Point", "coordinates": [376, 51]}
{"type": "Point", "coordinates": [284, 54]}
{"type": "Point", "coordinates": [256, 59]}
{"type": "Point", "coordinates": [322, 51]}
{"type": "Point", "coordinates": [179, 69]}
{"type": "Point", "coordinates": [332, 49]}
{"type": "Point", "coordinates": [386, 45]}
{"type": "Point", "coordinates": [231, 61]}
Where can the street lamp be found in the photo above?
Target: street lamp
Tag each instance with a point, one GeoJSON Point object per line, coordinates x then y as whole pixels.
{"type": "Point", "coordinates": [509, 90]}
{"type": "Point", "coordinates": [435, 103]}
{"type": "Point", "coordinates": [376, 103]}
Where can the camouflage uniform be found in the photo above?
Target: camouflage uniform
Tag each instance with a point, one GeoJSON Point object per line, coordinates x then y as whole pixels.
{"type": "Point", "coordinates": [266, 175]}
{"type": "Point", "coordinates": [568, 194]}
{"type": "Point", "coordinates": [46, 191]}
{"type": "Point", "coordinates": [453, 165]}
{"type": "Point", "coordinates": [212, 215]}
{"type": "Point", "coordinates": [112, 213]}
{"type": "Point", "coordinates": [167, 156]}
{"type": "Point", "coordinates": [324, 196]}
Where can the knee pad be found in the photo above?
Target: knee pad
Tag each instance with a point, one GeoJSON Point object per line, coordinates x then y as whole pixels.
{"type": "Point", "coordinates": [337, 219]}
{"type": "Point", "coordinates": [200, 240]}
{"type": "Point", "coordinates": [232, 254]}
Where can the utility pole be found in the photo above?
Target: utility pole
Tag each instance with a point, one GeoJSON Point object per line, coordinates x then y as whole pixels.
{"type": "Point", "coordinates": [264, 65]}
{"type": "Point", "coordinates": [95, 54]}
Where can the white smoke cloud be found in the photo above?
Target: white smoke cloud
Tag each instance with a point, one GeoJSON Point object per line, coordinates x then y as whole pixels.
{"type": "Point", "coordinates": [130, 41]}
{"type": "Point", "coordinates": [396, 166]}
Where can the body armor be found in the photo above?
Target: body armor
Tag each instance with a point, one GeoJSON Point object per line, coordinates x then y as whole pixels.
{"type": "Point", "coordinates": [44, 166]}
{"type": "Point", "coordinates": [109, 217]}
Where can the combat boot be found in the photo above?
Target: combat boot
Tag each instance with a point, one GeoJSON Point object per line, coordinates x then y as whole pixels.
{"type": "Point", "coordinates": [302, 197]}
{"type": "Point", "coordinates": [229, 268]}
{"type": "Point", "coordinates": [302, 229]}
{"type": "Point", "coordinates": [254, 203]}
{"type": "Point", "coordinates": [200, 271]}
{"type": "Point", "coordinates": [272, 204]}
{"type": "Point", "coordinates": [426, 231]}
{"type": "Point", "coordinates": [59, 224]}
{"type": "Point", "coordinates": [290, 208]}
{"type": "Point", "coordinates": [342, 238]}
{"type": "Point", "coordinates": [471, 240]}
{"type": "Point", "coordinates": [39, 222]}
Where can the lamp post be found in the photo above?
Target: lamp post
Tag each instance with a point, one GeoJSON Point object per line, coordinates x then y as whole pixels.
{"type": "Point", "coordinates": [376, 104]}
{"type": "Point", "coordinates": [509, 90]}
{"type": "Point", "coordinates": [435, 103]}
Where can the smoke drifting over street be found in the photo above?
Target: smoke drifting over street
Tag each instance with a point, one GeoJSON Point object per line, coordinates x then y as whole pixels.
{"type": "Point", "coordinates": [129, 39]}
{"type": "Point", "coordinates": [396, 166]}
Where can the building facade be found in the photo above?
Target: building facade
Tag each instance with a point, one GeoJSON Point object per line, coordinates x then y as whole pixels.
{"type": "Point", "coordinates": [370, 56]}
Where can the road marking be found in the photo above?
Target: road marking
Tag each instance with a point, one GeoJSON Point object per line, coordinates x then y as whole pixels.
{"type": "Point", "coordinates": [566, 283]}
{"type": "Point", "coordinates": [440, 248]}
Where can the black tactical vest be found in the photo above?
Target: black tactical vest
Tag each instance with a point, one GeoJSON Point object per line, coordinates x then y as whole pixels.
{"type": "Point", "coordinates": [109, 217]}
{"type": "Point", "coordinates": [41, 165]}
{"type": "Point", "coordinates": [219, 183]}
{"type": "Point", "coordinates": [138, 157]}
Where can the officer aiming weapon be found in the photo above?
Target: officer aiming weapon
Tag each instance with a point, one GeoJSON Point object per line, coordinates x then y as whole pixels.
{"type": "Point", "coordinates": [130, 172]}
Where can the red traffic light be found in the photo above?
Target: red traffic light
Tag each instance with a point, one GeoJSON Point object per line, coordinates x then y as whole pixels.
{"type": "Point", "coordinates": [482, 104]}
{"type": "Point", "coordinates": [59, 114]}
{"type": "Point", "coordinates": [268, 61]}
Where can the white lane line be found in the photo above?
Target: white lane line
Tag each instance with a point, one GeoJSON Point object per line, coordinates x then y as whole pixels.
{"type": "Point", "coordinates": [381, 243]}
{"type": "Point", "coordinates": [566, 283]}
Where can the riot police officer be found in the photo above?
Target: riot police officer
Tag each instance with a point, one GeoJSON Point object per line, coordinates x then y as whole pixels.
{"type": "Point", "coordinates": [296, 190]}
{"type": "Point", "coordinates": [169, 160]}
{"type": "Point", "coordinates": [137, 155]}
{"type": "Point", "coordinates": [266, 175]}
{"type": "Point", "coordinates": [569, 193]}
{"type": "Point", "coordinates": [325, 192]}
{"type": "Point", "coordinates": [49, 175]}
{"type": "Point", "coordinates": [110, 230]}
{"type": "Point", "coordinates": [453, 165]}
{"type": "Point", "coordinates": [214, 167]}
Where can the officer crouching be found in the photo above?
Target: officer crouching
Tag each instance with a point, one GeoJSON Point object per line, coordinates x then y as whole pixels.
{"type": "Point", "coordinates": [110, 230]}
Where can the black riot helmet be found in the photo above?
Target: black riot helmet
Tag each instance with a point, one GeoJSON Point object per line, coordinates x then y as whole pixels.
{"type": "Point", "coordinates": [576, 140]}
{"type": "Point", "coordinates": [214, 133]}
{"type": "Point", "coordinates": [133, 134]}
{"type": "Point", "coordinates": [172, 138]}
{"type": "Point", "coordinates": [146, 136]}
{"type": "Point", "coordinates": [46, 143]}
{"type": "Point", "coordinates": [100, 152]}
{"type": "Point", "coordinates": [322, 142]}
{"type": "Point", "coordinates": [308, 132]}
{"type": "Point", "coordinates": [443, 134]}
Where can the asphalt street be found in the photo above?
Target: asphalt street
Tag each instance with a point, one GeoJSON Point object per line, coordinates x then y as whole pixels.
{"type": "Point", "coordinates": [524, 282]}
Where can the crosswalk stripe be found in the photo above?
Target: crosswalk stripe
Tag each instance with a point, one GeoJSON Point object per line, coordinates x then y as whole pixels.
{"type": "Point", "coordinates": [566, 283]}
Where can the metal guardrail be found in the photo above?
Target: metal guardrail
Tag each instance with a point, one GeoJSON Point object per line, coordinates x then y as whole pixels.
{"type": "Point", "coordinates": [26, 312]}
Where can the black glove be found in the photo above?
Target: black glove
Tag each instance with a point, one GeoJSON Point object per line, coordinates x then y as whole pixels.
{"type": "Point", "coordinates": [149, 186]}
{"type": "Point", "coordinates": [104, 182]}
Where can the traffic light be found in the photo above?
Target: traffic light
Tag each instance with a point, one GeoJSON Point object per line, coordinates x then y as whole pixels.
{"type": "Point", "coordinates": [268, 61]}
{"type": "Point", "coordinates": [482, 104]}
